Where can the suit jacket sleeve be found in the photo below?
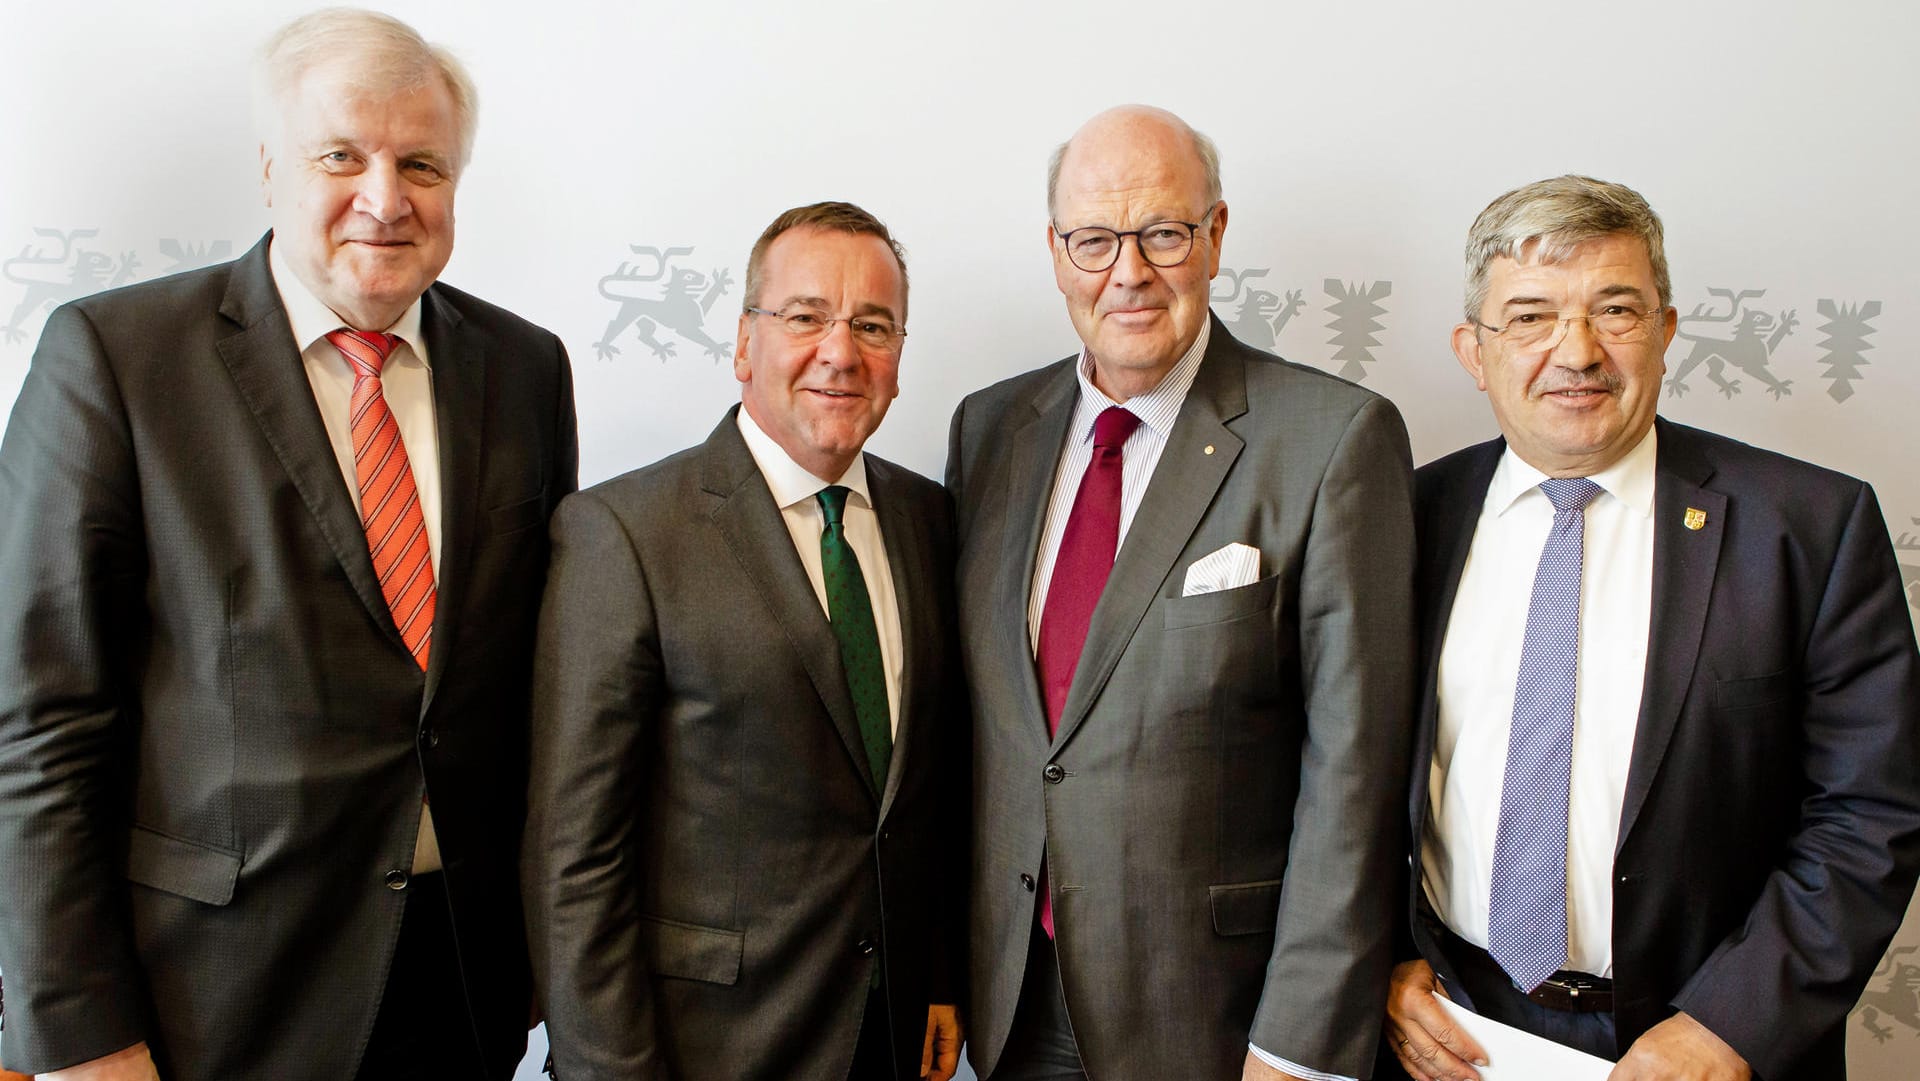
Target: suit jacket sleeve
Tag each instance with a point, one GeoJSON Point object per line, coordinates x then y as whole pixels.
{"type": "Point", "coordinates": [597, 681]}
{"type": "Point", "coordinates": [72, 574]}
{"type": "Point", "coordinates": [1842, 883]}
{"type": "Point", "coordinates": [1332, 953]}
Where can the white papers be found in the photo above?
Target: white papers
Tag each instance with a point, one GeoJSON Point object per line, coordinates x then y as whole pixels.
{"type": "Point", "coordinates": [1513, 1055]}
{"type": "Point", "coordinates": [1228, 568]}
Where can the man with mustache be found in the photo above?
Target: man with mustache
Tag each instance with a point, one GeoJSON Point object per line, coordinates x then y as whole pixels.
{"type": "Point", "coordinates": [1186, 566]}
{"type": "Point", "coordinates": [1666, 794]}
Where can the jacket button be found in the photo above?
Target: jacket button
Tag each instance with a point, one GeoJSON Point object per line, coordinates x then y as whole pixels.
{"type": "Point", "coordinates": [1053, 773]}
{"type": "Point", "coordinates": [865, 946]}
{"type": "Point", "coordinates": [396, 880]}
{"type": "Point", "coordinates": [1026, 882]}
{"type": "Point", "coordinates": [430, 736]}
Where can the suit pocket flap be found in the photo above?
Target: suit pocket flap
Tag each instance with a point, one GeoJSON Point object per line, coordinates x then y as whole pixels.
{"type": "Point", "coordinates": [1752, 691]}
{"type": "Point", "coordinates": [527, 512]}
{"type": "Point", "coordinates": [1221, 606]}
{"type": "Point", "coordinates": [1247, 908]}
{"type": "Point", "coordinates": [181, 867]}
{"type": "Point", "coordinates": [692, 952]}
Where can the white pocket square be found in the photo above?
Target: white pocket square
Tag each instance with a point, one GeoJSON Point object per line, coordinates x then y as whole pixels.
{"type": "Point", "coordinates": [1231, 567]}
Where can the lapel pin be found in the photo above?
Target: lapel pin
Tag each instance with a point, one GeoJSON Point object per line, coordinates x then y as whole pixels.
{"type": "Point", "coordinates": [1696, 518]}
{"type": "Point", "coordinates": [1209, 449]}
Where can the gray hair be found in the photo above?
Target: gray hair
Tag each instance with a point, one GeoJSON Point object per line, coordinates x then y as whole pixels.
{"type": "Point", "coordinates": [1555, 216]}
{"type": "Point", "coordinates": [389, 55]}
{"type": "Point", "coordinates": [832, 217]}
{"type": "Point", "coordinates": [1204, 148]}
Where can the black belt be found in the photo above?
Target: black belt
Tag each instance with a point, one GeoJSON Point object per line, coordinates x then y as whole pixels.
{"type": "Point", "coordinates": [1573, 992]}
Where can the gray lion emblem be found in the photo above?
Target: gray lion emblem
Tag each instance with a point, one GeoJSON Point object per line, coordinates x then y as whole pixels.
{"type": "Point", "coordinates": [1755, 335]}
{"type": "Point", "coordinates": [663, 295]}
{"type": "Point", "coordinates": [53, 278]}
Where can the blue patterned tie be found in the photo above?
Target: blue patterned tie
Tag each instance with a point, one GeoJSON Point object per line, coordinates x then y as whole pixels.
{"type": "Point", "coordinates": [1527, 905]}
{"type": "Point", "coordinates": [851, 612]}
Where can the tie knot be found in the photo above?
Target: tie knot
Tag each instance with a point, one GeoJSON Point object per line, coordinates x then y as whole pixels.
{"type": "Point", "coordinates": [1569, 493]}
{"type": "Point", "coordinates": [1112, 427]}
{"type": "Point", "coordinates": [366, 350]}
{"type": "Point", "coordinates": [833, 502]}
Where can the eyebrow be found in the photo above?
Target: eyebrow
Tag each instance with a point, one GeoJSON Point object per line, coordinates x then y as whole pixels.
{"type": "Point", "coordinates": [868, 308]}
{"type": "Point", "coordinates": [1616, 290]}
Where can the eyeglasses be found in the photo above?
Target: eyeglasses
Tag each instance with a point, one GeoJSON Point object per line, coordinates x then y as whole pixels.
{"type": "Point", "coordinates": [805, 323]}
{"type": "Point", "coordinates": [1615, 324]}
{"type": "Point", "coordinates": [1095, 248]}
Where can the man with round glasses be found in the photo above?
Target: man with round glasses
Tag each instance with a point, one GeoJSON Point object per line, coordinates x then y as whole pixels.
{"type": "Point", "coordinates": [1187, 566]}
{"type": "Point", "coordinates": [743, 843]}
{"type": "Point", "coordinates": [1666, 805]}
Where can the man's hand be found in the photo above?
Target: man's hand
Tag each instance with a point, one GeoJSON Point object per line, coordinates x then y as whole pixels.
{"type": "Point", "coordinates": [1256, 1069]}
{"type": "Point", "coordinates": [1425, 1039]}
{"type": "Point", "coordinates": [940, 1054]}
{"type": "Point", "coordinates": [1680, 1049]}
{"type": "Point", "coordinates": [131, 1064]}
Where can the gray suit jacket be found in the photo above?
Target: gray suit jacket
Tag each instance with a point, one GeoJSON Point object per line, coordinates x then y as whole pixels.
{"type": "Point", "coordinates": [213, 744]}
{"type": "Point", "coordinates": [1217, 811]}
{"type": "Point", "coordinates": [713, 879]}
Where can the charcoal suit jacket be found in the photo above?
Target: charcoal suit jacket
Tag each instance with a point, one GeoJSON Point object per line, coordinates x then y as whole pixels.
{"type": "Point", "coordinates": [213, 743]}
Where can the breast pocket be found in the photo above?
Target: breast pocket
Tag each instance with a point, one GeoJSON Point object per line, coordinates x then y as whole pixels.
{"type": "Point", "coordinates": [1221, 606]}
{"type": "Point", "coordinates": [515, 517]}
{"type": "Point", "coordinates": [1754, 692]}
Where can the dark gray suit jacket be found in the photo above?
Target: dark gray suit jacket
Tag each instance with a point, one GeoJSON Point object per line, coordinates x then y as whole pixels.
{"type": "Point", "coordinates": [1217, 812]}
{"type": "Point", "coordinates": [1770, 836]}
{"type": "Point", "coordinates": [213, 744]}
{"type": "Point", "coordinates": [712, 876]}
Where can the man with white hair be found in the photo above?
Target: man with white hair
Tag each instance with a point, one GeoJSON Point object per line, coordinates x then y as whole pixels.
{"type": "Point", "coordinates": [268, 579]}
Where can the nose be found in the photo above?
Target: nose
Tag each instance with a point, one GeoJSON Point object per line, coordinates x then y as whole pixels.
{"type": "Point", "coordinates": [1578, 347]}
{"type": "Point", "coordinates": [1131, 268]}
{"type": "Point", "coordinates": [381, 194]}
{"type": "Point", "coordinates": [837, 348]}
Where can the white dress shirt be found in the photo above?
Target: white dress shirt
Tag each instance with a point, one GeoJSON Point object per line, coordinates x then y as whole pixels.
{"type": "Point", "coordinates": [1157, 410]}
{"type": "Point", "coordinates": [1479, 664]}
{"type": "Point", "coordinates": [406, 382]}
{"type": "Point", "coordinates": [793, 491]}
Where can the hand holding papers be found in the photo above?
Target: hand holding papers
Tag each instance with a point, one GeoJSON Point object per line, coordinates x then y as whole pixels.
{"type": "Point", "coordinates": [1513, 1055]}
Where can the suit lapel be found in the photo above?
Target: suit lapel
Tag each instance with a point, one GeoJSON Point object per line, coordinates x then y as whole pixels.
{"type": "Point", "coordinates": [1684, 561]}
{"type": "Point", "coordinates": [1199, 453]}
{"type": "Point", "coordinates": [907, 549]}
{"type": "Point", "coordinates": [1036, 449]}
{"type": "Point", "coordinates": [264, 363]}
{"type": "Point", "coordinates": [757, 535]}
{"type": "Point", "coordinates": [1448, 518]}
{"type": "Point", "coordinates": [459, 359]}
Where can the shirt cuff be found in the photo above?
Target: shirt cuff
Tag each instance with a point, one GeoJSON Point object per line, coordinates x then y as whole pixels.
{"type": "Point", "coordinates": [1295, 1069]}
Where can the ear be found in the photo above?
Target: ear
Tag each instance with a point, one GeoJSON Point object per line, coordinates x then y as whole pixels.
{"type": "Point", "coordinates": [266, 175]}
{"type": "Point", "coordinates": [1216, 232]}
{"type": "Point", "coordinates": [1466, 349]}
{"type": "Point", "coordinates": [1064, 272]}
{"type": "Point", "coordinates": [1669, 326]}
{"type": "Point", "coordinates": [742, 370]}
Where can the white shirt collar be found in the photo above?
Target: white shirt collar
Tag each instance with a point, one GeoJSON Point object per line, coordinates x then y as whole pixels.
{"type": "Point", "coordinates": [1629, 480]}
{"type": "Point", "coordinates": [1157, 408]}
{"type": "Point", "coordinates": [312, 320]}
{"type": "Point", "coordinates": [789, 482]}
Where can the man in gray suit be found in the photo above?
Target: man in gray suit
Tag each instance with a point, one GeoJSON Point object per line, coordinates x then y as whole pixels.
{"type": "Point", "coordinates": [1187, 567]}
{"type": "Point", "coordinates": [742, 853]}
{"type": "Point", "coordinates": [269, 568]}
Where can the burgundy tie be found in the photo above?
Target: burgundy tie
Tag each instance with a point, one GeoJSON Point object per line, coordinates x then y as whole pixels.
{"type": "Point", "coordinates": [389, 503]}
{"type": "Point", "coordinates": [1080, 571]}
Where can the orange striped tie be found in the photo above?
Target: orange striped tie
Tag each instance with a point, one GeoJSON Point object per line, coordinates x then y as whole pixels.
{"type": "Point", "coordinates": [389, 504]}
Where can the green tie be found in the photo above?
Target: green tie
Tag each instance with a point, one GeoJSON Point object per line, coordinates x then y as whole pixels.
{"type": "Point", "coordinates": [852, 616]}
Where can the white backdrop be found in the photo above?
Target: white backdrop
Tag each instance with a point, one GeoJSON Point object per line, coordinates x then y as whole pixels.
{"type": "Point", "coordinates": [1777, 139]}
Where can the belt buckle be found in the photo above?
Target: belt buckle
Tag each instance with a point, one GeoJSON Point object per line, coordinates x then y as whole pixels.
{"type": "Point", "coordinates": [1575, 991]}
